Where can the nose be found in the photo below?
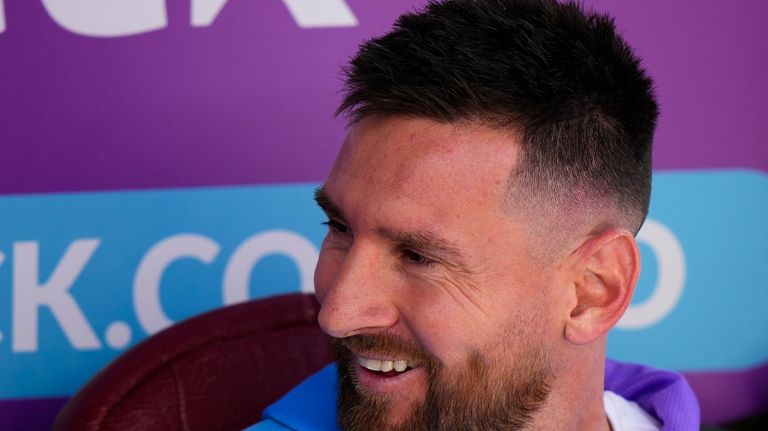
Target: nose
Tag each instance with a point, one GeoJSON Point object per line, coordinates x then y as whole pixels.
{"type": "Point", "coordinates": [355, 292]}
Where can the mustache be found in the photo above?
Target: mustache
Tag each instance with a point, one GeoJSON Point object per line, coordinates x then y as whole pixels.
{"type": "Point", "coordinates": [373, 345]}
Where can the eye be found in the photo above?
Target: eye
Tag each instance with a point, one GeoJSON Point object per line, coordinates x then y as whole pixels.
{"type": "Point", "coordinates": [417, 259]}
{"type": "Point", "coordinates": [336, 227]}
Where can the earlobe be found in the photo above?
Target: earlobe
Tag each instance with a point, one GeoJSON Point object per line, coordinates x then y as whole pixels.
{"type": "Point", "coordinates": [607, 268]}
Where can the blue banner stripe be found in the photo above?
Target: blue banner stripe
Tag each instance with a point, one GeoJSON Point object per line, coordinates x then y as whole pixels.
{"type": "Point", "coordinates": [84, 276]}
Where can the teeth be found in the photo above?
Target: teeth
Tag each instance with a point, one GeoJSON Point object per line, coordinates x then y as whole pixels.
{"type": "Point", "coordinates": [371, 364]}
{"type": "Point", "coordinates": [399, 365]}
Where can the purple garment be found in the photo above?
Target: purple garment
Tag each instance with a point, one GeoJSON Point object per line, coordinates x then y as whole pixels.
{"type": "Point", "coordinates": [664, 394]}
{"type": "Point", "coordinates": [311, 406]}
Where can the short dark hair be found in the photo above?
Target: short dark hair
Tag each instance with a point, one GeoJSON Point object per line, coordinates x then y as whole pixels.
{"type": "Point", "coordinates": [560, 77]}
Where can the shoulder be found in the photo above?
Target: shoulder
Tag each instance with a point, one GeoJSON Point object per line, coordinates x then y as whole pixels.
{"type": "Point", "coordinates": [309, 406]}
{"type": "Point", "coordinates": [664, 395]}
{"type": "Point", "coordinates": [267, 425]}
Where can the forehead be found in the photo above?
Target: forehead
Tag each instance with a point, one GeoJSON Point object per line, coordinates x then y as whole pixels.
{"type": "Point", "coordinates": [423, 161]}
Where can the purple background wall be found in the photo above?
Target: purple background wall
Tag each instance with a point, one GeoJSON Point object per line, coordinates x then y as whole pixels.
{"type": "Point", "coordinates": [185, 106]}
{"type": "Point", "coordinates": [248, 100]}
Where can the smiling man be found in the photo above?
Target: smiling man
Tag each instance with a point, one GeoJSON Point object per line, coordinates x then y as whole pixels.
{"type": "Point", "coordinates": [424, 269]}
{"type": "Point", "coordinates": [481, 222]}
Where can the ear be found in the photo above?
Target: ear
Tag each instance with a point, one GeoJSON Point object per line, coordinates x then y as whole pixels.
{"type": "Point", "coordinates": [606, 270]}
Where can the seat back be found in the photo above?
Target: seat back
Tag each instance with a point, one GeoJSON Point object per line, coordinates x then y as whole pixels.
{"type": "Point", "coordinates": [215, 371]}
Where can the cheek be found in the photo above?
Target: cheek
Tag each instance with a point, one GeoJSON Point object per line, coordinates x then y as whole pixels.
{"type": "Point", "coordinates": [504, 330]}
{"type": "Point", "coordinates": [439, 324]}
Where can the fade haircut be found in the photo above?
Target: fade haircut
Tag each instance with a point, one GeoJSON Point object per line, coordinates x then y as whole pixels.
{"type": "Point", "coordinates": [560, 78]}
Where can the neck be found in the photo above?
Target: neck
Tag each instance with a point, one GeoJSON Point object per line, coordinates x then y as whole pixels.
{"type": "Point", "coordinates": [576, 400]}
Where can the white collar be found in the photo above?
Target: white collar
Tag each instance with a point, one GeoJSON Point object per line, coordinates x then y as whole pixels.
{"type": "Point", "coordinates": [625, 415]}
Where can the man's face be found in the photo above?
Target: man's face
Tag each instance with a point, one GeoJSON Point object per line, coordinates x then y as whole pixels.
{"type": "Point", "coordinates": [424, 269]}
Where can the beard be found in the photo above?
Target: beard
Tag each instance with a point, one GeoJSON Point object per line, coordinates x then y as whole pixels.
{"type": "Point", "coordinates": [481, 395]}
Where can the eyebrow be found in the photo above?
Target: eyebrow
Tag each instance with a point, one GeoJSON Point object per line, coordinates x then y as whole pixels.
{"type": "Point", "coordinates": [420, 240]}
{"type": "Point", "coordinates": [327, 205]}
{"type": "Point", "coordinates": [425, 241]}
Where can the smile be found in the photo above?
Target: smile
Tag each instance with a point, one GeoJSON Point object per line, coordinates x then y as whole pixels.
{"type": "Point", "coordinates": [394, 376]}
{"type": "Point", "coordinates": [383, 365]}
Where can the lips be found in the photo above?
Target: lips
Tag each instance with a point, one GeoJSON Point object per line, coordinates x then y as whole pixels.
{"type": "Point", "coordinates": [373, 375]}
{"type": "Point", "coordinates": [384, 364]}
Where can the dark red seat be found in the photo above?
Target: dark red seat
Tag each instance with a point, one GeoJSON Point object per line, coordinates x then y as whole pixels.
{"type": "Point", "coordinates": [215, 371]}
